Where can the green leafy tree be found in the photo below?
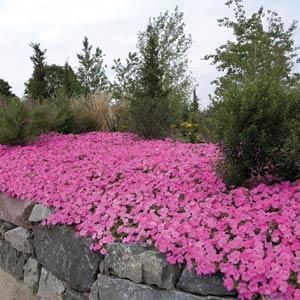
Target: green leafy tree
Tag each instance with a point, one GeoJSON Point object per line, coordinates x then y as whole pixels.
{"type": "Point", "coordinates": [91, 71]}
{"type": "Point", "coordinates": [62, 79]}
{"type": "Point", "coordinates": [36, 87]}
{"type": "Point", "coordinates": [71, 84]}
{"type": "Point", "coordinates": [262, 47]}
{"type": "Point", "coordinates": [155, 80]}
{"type": "Point", "coordinates": [5, 89]}
{"type": "Point", "coordinates": [54, 78]}
{"type": "Point", "coordinates": [252, 112]}
{"type": "Point", "coordinates": [151, 106]}
{"type": "Point", "coordinates": [125, 77]}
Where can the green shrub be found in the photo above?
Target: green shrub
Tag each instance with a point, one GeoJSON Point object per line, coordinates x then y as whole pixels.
{"type": "Point", "coordinates": [289, 158]}
{"type": "Point", "coordinates": [22, 121]}
{"type": "Point", "coordinates": [255, 124]}
{"type": "Point", "coordinates": [15, 122]}
{"type": "Point", "coordinates": [54, 115]}
{"type": "Point", "coordinates": [152, 117]}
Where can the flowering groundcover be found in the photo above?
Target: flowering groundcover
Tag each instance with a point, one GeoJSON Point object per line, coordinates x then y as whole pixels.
{"type": "Point", "coordinates": [115, 187]}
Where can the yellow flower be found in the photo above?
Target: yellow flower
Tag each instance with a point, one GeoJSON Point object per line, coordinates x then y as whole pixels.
{"type": "Point", "coordinates": [186, 125]}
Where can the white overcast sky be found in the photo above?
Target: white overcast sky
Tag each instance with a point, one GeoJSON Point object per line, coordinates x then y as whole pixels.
{"type": "Point", "coordinates": [60, 25]}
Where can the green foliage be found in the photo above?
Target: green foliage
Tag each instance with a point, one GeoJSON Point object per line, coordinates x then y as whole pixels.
{"type": "Point", "coordinates": [91, 71]}
{"type": "Point", "coordinates": [5, 89]}
{"type": "Point", "coordinates": [262, 47]}
{"type": "Point", "coordinates": [255, 123]}
{"type": "Point", "coordinates": [155, 81]}
{"type": "Point", "coordinates": [52, 116]}
{"type": "Point", "coordinates": [71, 84]}
{"type": "Point", "coordinates": [14, 122]}
{"type": "Point", "coordinates": [36, 87]}
{"type": "Point", "coordinates": [288, 159]}
{"type": "Point", "coordinates": [194, 129]}
{"type": "Point", "coordinates": [57, 80]}
{"type": "Point", "coordinates": [22, 121]}
{"type": "Point", "coordinates": [195, 102]}
{"type": "Point", "coordinates": [125, 77]}
{"type": "Point", "coordinates": [151, 106]}
{"type": "Point", "coordinates": [62, 80]}
{"type": "Point", "coordinates": [54, 77]}
{"type": "Point", "coordinates": [251, 113]}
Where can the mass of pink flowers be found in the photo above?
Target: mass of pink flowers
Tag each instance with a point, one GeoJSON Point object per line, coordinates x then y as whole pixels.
{"type": "Point", "coordinates": [115, 187]}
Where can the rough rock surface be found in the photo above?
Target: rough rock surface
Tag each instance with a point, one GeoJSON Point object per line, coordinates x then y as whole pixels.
{"type": "Point", "coordinates": [15, 211]}
{"type": "Point", "coordinates": [19, 238]}
{"type": "Point", "coordinates": [50, 287]}
{"type": "Point", "coordinates": [157, 271]}
{"type": "Point", "coordinates": [67, 256]}
{"type": "Point", "coordinates": [108, 288]}
{"type": "Point", "coordinates": [39, 213]}
{"type": "Point", "coordinates": [73, 295]}
{"type": "Point", "coordinates": [203, 285]}
{"type": "Point", "coordinates": [10, 289]}
{"type": "Point", "coordinates": [4, 227]}
{"type": "Point", "coordinates": [123, 261]}
{"type": "Point", "coordinates": [140, 264]}
{"type": "Point", "coordinates": [12, 261]}
{"type": "Point", "coordinates": [32, 270]}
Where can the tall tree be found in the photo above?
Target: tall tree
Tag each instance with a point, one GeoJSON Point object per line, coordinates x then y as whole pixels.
{"type": "Point", "coordinates": [91, 71]}
{"type": "Point", "coordinates": [5, 89]}
{"type": "Point", "coordinates": [150, 106]}
{"type": "Point", "coordinates": [54, 78]}
{"type": "Point", "coordinates": [62, 79]}
{"type": "Point", "coordinates": [36, 87]}
{"type": "Point", "coordinates": [254, 111]}
{"type": "Point", "coordinates": [125, 77]}
{"type": "Point", "coordinates": [195, 102]}
{"type": "Point", "coordinates": [156, 78]}
{"type": "Point", "coordinates": [262, 47]}
{"type": "Point", "coordinates": [71, 84]}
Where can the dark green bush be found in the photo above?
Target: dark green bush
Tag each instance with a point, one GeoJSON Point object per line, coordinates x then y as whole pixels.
{"type": "Point", "coordinates": [288, 159]}
{"type": "Point", "coordinates": [22, 121]}
{"type": "Point", "coordinates": [15, 122]}
{"type": "Point", "coordinates": [256, 123]}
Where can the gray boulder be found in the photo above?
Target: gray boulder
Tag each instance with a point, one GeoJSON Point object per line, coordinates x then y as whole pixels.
{"type": "Point", "coordinates": [12, 261]}
{"type": "Point", "coordinates": [74, 295]}
{"type": "Point", "coordinates": [19, 238]}
{"type": "Point", "coordinates": [50, 287]}
{"type": "Point", "coordinates": [157, 271]}
{"type": "Point", "coordinates": [4, 227]}
{"type": "Point", "coordinates": [203, 285]}
{"type": "Point", "coordinates": [123, 261]}
{"type": "Point", "coordinates": [140, 264]}
{"type": "Point", "coordinates": [32, 271]}
{"type": "Point", "coordinates": [108, 288]}
{"type": "Point", "coordinates": [15, 211]}
{"type": "Point", "coordinates": [39, 213]}
{"type": "Point", "coordinates": [67, 256]}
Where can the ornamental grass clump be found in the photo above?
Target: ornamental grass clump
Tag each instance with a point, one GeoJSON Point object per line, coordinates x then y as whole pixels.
{"type": "Point", "coordinates": [92, 112]}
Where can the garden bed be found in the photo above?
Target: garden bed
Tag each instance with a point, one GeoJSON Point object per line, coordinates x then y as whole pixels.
{"type": "Point", "coordinates": [117, 189]}
{"type": "Point", "coordinates": [55, 263]}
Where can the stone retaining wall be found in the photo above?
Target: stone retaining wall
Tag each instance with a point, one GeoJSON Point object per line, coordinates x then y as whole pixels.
{"type": "Point", "coordinates": [57, 264]}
